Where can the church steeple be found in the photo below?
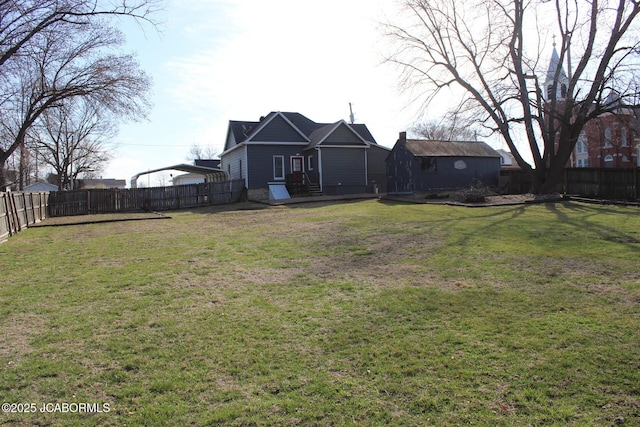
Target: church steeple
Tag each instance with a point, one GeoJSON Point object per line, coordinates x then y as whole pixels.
{"type": "Point", "coordinates": [563, 80]}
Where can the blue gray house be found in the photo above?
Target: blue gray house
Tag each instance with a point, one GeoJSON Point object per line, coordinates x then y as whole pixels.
{"type": "Point", "coordinates": [309, 157]}
{"type": "Point", "coordinates": [416, 165]}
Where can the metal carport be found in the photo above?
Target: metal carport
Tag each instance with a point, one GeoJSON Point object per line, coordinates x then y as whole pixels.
{"type": "Point", "coordinates": [210, 174]}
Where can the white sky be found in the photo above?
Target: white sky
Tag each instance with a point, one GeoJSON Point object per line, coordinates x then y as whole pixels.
{"type": "Point", "coordinates": [221, 60]}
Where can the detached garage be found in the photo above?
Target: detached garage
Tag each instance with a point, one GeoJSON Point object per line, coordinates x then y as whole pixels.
{"type": "Point", "coordinates": [417, 165]}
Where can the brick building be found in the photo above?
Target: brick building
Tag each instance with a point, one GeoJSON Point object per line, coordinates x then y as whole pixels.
{"type": "Point", "coordinates": [609, 141]}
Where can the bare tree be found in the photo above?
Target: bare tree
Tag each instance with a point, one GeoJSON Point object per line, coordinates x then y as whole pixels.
{"type": "Point", "coordinates": [22, 21]}
{"type": "Point", "coordinates": [444, 130]}
{"type": "Point", "coordinates": [60, 69]}
{"type": "Point", "coordinates": [199, 152]}
{"type": "Point", "coordinates": [55, 50]}
{"type": "Point", "coordinates": [491, 53]}
{"type": "Point", "coordinates": [73, 140]}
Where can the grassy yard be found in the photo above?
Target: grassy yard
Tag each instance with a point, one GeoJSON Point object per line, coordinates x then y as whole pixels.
{"type": "Point", "coordinates": [367, 313]}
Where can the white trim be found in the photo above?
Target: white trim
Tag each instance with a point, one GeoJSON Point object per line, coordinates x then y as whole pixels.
{"type": "Point", "coordinates": [245, 164]}
{"type": "Point", "coordinates": [366, 168]}
{"type": "Point", "coordinates": [320, 168]}
{"type": "Point", "coordinates": [235, 147]}
{"type": "Point", "coordinates": [264, 125]}
{"type": "Point", "coordinates": [364, 147]}
{"type": "Point", "coordinates": [244, 144]}
{"type": "Point", "coordinates": [276, 178]}
{"type": "Point", "coordinates": [303, 144]}
{"type": "Point", "coordinates": [333, 129]}
{"type": "Point", "coordinates": [230, 137]}
{"type": "Point", "coordinates": [310, 162]}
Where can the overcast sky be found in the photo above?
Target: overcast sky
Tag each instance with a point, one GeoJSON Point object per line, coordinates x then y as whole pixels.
{"type": "Point", "coordinates": [221, 60]}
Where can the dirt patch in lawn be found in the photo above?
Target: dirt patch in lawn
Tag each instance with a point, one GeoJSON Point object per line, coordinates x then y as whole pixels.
{"type": "Point", "coordinates": [16, 332]}
{"type": "Point", "coordinates": [99, 218]}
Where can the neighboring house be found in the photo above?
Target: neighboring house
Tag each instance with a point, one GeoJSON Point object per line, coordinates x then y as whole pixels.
{"type": "Point", "coordinates": [507, 161]}
{"type": "Point", "coordinates": [416, 165]}
{"type": "Point", "coordinates": [309, 157]}
{"type": "Point", "coordinates": [188, 178]}
{"type": "Point", "coordinates": [100, 183]}
{"type": "Point", "coordinates": [40, 186]}
{"type": "Point", "coordinates": [207, 163]}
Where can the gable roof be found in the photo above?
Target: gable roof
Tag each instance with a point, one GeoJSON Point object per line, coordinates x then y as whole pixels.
{"type": "Point", "coordinates": [283, 133]}
{"type": "Point", "coordinates": [309, 131]}
{"type": "Point", "coordinates": [321, 134]}
{"type": "Point", "coordinates": [303, 123]}
{"type": "Point", "coordinates": [241, 130]}
{"type": "Point", "coordinates": [430, 148]}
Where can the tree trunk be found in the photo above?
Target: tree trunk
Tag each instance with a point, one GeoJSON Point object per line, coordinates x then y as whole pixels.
{"type": "Point", "coordinates": [3, 179]}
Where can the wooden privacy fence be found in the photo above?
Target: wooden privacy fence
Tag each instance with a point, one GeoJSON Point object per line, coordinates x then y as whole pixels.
{"type": "Point", "coordinates": [20, 210]}
{"type": "Point", "coordinates": [603, 183]}
{"type": "Point", "coordinates": [95, 201]}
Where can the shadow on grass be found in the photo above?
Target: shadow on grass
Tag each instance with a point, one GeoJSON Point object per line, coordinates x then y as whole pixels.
{"type": "Point", "coordinates": [257, 206]}
{"type": "Point", "coordinates": [98, 219]}
{"type": "Point", "coordinates": [580, 214]}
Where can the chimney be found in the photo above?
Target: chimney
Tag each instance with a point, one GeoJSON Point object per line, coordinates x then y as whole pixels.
{"type": "Point", "coordinates": [403, 137]}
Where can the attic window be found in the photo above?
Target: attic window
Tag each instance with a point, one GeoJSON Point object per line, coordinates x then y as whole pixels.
{"type": "Point", "coordinates": [428, 164]}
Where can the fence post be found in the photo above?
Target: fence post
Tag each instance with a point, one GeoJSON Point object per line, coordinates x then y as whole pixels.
{"type": "Point", "coordinates": [7, 208]}
{"type": "Point", "coordinates": [33, 212]}
{"type": "Point", "coordinates": [14, 214]}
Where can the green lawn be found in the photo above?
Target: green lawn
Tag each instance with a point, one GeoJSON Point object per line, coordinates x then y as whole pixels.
{"type": "Point", "coordinates": [367, 313]}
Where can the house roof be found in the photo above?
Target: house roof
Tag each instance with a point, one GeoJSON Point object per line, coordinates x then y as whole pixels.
{"type": "Point", "coordinates": [430, 148]}
{"type": "Point", "coordinates": [41, 186]}
{"type": "Point", "coordinates": [320, 135]}
{"type": "Point", "coordinates": [315, 133]}
{"type": "Point", "coordinates": [242, 130]}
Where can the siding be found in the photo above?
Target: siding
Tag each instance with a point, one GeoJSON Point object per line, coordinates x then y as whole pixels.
{"type": "Point", "coordinates": [479, 170]}
{"type": "Point", "coordinates": [342, 136]}
{"type": "Point", "coordinates": [278, 130]}
{"type": "Point", "coordinates": [400, 170]}
{"type": "Point", "coordinates": [343, 170]}
{"type": "Point", "coordinates": [231, 140]}
{"type": "Point", "coordinates": [260, 158]}
{"type": "Point", "coordinates": [405, 173]}
{"type": "Point", "coordinates": [377, 168]}
{"type": "Point", "coordinates": [313, 175]}
{"type": "Point", "coordinates": [230, 163]}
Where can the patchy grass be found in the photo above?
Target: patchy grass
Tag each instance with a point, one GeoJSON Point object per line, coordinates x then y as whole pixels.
{"type": "Point", "coordinates": [367, 313]}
